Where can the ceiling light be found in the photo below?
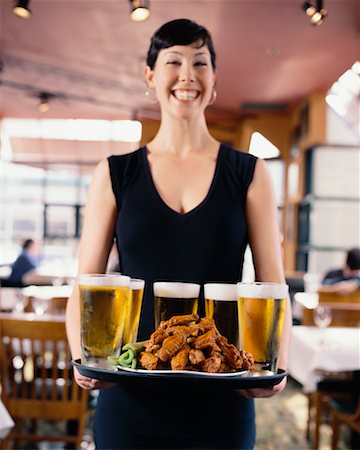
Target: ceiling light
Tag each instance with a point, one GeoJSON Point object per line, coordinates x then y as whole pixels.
{"type": "Point", "coordinates": [140, 10]}
{"type": "Point", "coordinates": [44, 98]}
{"type": "Point", "coordinates": [21, 9]}
{"type": "Point", "coordinates": [316, 13]}
{"type": "Point", "coordinates": [309, 9]}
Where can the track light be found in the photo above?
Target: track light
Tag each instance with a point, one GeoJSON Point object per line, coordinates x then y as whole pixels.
{"type": "Point", "coordinates": [44, 98]}
{"type": "Point", "coordinates": [316, 13]}
{"type": "Point", "coordinates": [140, 10]}
{"type": "Point", "coordinates": [21, 9]}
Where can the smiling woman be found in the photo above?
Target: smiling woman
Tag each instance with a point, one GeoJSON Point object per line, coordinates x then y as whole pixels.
{"type": "Point", "coordinates": [182, 208]}
{"type": "Point", "coordinates": [182, 71]}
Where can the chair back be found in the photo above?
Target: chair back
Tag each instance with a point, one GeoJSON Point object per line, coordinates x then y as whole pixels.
{"type": "Point", "coordinates": [335, 297]}
{"type": "Point", "coordinates": [343, 314]}
{"type": "Point", "coordinates": [36, 373]}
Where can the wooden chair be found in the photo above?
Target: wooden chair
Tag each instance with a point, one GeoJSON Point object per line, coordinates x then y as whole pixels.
{"type": "Point", "coordinates": [339, 416]}
{"type": "Point", "coordinates": [345, 313]}
{"type": "Point", "coordinates": [328, 297]}
{"type": "Point", "coordinates": [329, 388]}
{"type": "Point", "coordinates": [36, 378]}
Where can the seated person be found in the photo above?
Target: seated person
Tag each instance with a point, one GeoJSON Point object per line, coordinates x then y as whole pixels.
{"type": "Point", "coordinates": [27, 261]}
{"type": "Point", "coordinates": [347, 279]}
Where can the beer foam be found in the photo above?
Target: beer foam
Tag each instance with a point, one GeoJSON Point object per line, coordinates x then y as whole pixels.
{"type": "Point", "coordinates": [262, 290]}
{"type": "Point", "coordinates": [220, 291]}
{"type": "Point", "coordinates": [176, 289]}
{"type": "Point", "coordinates": [136, 284]}
{"type": "Point", "coordinates": [103, 280]}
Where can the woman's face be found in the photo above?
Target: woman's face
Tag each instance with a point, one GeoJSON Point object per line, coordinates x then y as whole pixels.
{"type": "Point", "coordinates": [183, 79]}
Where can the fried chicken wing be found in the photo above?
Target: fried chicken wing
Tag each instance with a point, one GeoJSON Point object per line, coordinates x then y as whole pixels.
{"type": "Point", "coordinates": [189, 330]}
{"type": "Point", "coordinates": [156, 340]}
{"type": "Point", "coordinates": [196, 356]}
{"type": "Point", "coordinates": [206, 340]}
{"type": "Point", "coordinates": [206, 324]}
{"type": "Point", "coordinates": [247, 360]}
{"type": "Point", "coordinates": [230, 352]}
{"type": "Point", "coordinates": [183, 320]}
{"type": "Point", "coordinates": [171, 345]}
{"type": "Point", "coordinates": [180, 360]}
{"type": "Point", "coordinates": [148, 360]}
{"type": "Point", "coordinates": [211, 365]}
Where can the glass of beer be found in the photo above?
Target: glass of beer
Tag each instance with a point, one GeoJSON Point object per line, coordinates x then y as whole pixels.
{"type": "Point", "coordinates": [103, 306]}
{"type": "Point", "coordinates": [132, 318]}
{"type": "Point", "coordinates": [221, 305]}
{"type": "Point", "coordinates": [172, 298]}
{"type": "Point", "coordinates": [261, 312]}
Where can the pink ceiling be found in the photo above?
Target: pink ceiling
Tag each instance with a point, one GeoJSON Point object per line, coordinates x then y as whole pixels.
{"type": "Point", "coordinates": [92, 55]}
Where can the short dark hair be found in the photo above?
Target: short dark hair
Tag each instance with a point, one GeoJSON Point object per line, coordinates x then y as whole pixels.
{"type": "Point", "coordinates": [27, 243]}
{"type": "Point", "coordinates": [353, 259]}
{"type": "Point", "coordinates": [179, 32]}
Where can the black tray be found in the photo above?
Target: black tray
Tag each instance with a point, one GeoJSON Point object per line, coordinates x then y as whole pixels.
{"type": "Point", "coordinates": [245, 380]}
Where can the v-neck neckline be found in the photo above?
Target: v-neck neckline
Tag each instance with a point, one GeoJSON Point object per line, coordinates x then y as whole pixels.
{"type": "Point", "coordinates": [161, 201]}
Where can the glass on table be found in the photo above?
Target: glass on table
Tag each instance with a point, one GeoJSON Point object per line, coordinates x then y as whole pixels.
{"type": "Point", "coordinates": [21, 301]}
{"type": "Point", "coordinates": [221, 305]}
{"type": "Point", "coordinates": [133, 312]}
{"type": "Point", "coordinates": [261, 313]}
{"type": "Point", "coordinates": [103, 305]}
{"type": "Point", "coordinates": [322, 319]}
{"type": "Point", "coordinates": [40, 304]}
{"type": "Point", "coordinates": [173, 298]}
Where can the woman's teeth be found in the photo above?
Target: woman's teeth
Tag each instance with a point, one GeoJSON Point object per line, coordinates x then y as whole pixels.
{"type": "Point", "coordinates": [185, 95]}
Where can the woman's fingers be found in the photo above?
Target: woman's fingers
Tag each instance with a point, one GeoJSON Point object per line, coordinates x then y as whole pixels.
{"type": "Point", "coordinates": [263, 392]}
{"type": "Point", "coordinates": [91, 383]}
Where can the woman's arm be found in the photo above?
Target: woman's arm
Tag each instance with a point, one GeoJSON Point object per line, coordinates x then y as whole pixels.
{"type": "Point", "coordinates": [264, 236]}
{"type": "Point", "coordinates": [95, 244]}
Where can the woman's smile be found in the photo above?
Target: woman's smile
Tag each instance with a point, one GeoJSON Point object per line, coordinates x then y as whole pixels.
{"type": "Point", "coordinates": [186, 95]}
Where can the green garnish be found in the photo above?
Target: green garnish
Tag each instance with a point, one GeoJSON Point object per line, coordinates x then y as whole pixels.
{"type": "Point", "coordinates": [129, 356]}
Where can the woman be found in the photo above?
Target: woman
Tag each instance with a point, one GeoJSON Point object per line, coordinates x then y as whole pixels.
{"type": "Point", "coordinates": [182, 208]}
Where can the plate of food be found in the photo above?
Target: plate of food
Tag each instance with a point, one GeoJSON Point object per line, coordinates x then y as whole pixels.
{"type": "Point", "coordinates": [184, 349]}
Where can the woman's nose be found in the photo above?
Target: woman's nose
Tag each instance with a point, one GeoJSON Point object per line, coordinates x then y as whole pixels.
{"type": "Point", "coordinates": [187, 73]}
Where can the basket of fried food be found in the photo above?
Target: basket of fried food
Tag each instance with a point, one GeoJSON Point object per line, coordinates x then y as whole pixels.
{"type": "Point", "coordinates": [189, 342]}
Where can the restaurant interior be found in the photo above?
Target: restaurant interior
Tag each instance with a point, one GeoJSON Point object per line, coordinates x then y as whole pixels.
{"type": "Point", "coordinates": [72, 92]}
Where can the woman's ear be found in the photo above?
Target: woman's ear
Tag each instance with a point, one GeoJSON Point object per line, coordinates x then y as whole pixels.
{"type": "Point", "coordinates": [149, 76]}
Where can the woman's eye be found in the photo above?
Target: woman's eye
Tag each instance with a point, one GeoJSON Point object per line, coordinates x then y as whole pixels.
{"type": "Point", "coordinates": [173, 62]}
{"type": "Point", "coordinates": [200, 63]}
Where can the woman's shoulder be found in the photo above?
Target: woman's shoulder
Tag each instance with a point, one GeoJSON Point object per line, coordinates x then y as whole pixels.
{"type": "Point", "coordinates": [119, 159]}
{"type": "Point", "coordinates": [237, 155]}
{"type": "Point", "coordinates": [238, 160]}
{"type": "Point", "coordinates": [125, 163]}
{"type": "Point", "coordinates": [123, 168]}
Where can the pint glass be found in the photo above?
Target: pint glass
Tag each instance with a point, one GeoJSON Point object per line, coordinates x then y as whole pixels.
{"type": "Point", "coordinates": [221, 305]}
{"type": "Point", "coordinates": [261, 311]}
{"type": "Point", "coordinates": [103, 304]}
{"type": "Point", "coordinates": [132, 319]}
{"type": "Point", "coordinates": [174, 298]}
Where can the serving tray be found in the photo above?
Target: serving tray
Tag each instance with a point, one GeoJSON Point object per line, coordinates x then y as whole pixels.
{"type": "Point", "coordinates": [240, 380]}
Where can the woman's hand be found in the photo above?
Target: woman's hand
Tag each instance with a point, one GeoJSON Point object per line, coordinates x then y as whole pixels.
{"type": "Point", "coordinates": [263, 392]}
{"type": "Point", "coordinates": [90, 383]}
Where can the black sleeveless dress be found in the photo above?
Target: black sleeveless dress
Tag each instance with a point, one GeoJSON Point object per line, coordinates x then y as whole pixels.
{"type": "Point", "coordinates": [207, 244]}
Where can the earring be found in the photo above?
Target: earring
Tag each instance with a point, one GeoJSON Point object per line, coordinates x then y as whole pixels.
{"type": "Point", "coordinates": [151, 96]}
{"type": "Point", "coordinates": [213, 97]}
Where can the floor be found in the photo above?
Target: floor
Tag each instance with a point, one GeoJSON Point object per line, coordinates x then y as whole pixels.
{"type": "Point", "coordinates": [281, 424]}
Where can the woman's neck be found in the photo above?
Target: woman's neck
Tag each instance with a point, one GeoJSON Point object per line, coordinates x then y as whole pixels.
{"type": "Point", "coordinates": [182, 137]}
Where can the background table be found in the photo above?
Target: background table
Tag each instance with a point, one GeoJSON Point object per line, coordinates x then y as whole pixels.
{"type": "Point", "coordinates": [308, 358]}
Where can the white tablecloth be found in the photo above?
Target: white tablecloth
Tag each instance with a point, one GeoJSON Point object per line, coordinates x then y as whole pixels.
{"type": "Point", "coordinates": [48, 292]}
{"type": "Point", "coordinates": [6, 422]}
{"type": "Point", "coordinates": [340, 351]}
